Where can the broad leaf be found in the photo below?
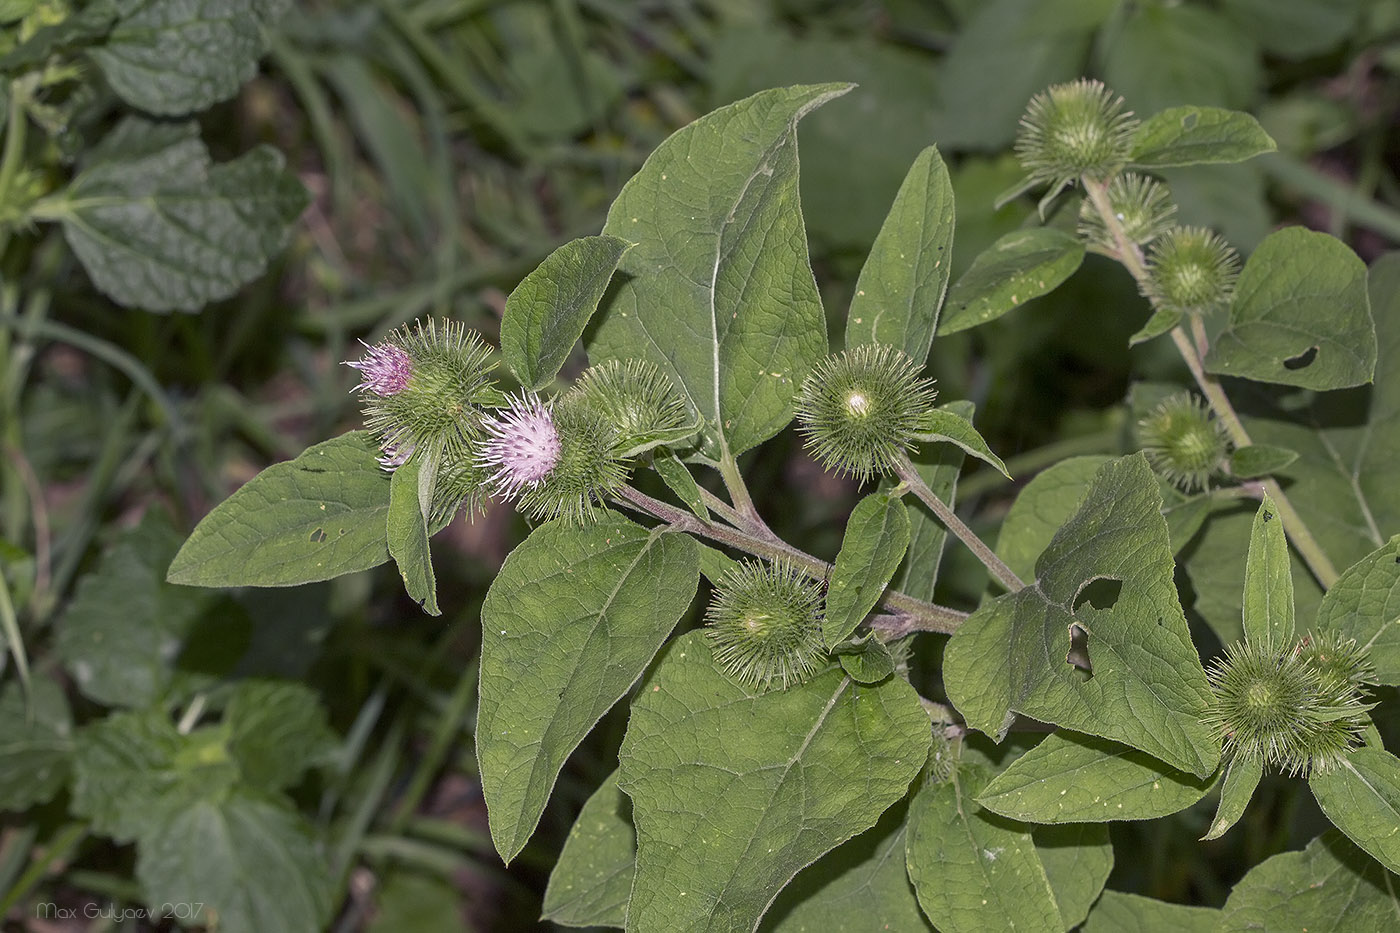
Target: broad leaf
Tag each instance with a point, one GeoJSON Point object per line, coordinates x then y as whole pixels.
{"type": "Point", "coordinates": [867, 660]}
{"type": "Point", "coordinates": [569, 624]}
{"type": "Point", "coordinates": [901, 286]}
{"type": "Point", "coordinates": [36, 743]}
{"type": "Point", "coordinates": [1042, 506]}
{"type": "Point", "coordinates": [877, 535]}
{"type": "Point", "coordinates": [406, 533]}
{"type": "Point", "coordinates": [1022, 265]}
{"type": "Point", "coordinates": [547, 312]}
{"type": "Point", "coordinates": [159, 227]}
{"type": "Point", "coordinates": [276, 730]}
{"type": "Point", "coordinates": [733, 793]}
{"type": "Point", "coordinates": [1147, 688]}
{"type": "Point", "coordinates": [313, 518]}
{"type": "Point", "coordinates": [861, 885]}
{"type": "Point", "coordinates": [1364, 604]}
{"type": "Point", "coordinates": [592, 880]}
{"type": "Point", "coordinates": [1196, 135]}
{"type": "Point", "coordinates": [974, 871]}
{"type": "Point", "coordinates": [1300, 316]}
{"type": "Point", "coordinates": [1259, 460]}
{"type": "Point", "coordinates": [1071, 778]}
{"type": "Point", "coordinates": [938, 465]}
{"type": "Point", "coordinates": [1117, 912]}
{"type": "Point", "coordinates": [173, 57]}
{"type": "Point", "coordinates": [944, 425]}
{"type": "Point", "coordinates": [1361, 796]}
{"type": "Point", "coordinates": [1077, 858]}
{"type": "Point", "coordinates": [718, 291]}
{"type": "Point", "coordinates": [1268, 581]}
{"type": "Point", "coordinates": [1242, 776]}
{"type": "Point", "coordinates": [1329, 887]}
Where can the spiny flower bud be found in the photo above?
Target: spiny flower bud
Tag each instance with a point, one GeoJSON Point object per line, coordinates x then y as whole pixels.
{"type": "Point", "coordinates": [1142, 205]}
{"type": "Point", "coordinates": [521, 448]}
{"type": "Point", "coordinates": [1276, 706]}
{"type": "Point", "coordinates": [1074, 129]}
{"type": "Point", "coordinates": [765, 625]}
{"type": "Point", "coordinates": [420, 386]}
{"type": "Point", "coordinates": [1191, 270]}
{"type": "Point", "coordinates": [586, 468]}
{"type": "Point", "coordinates": [637, 398]}
{"type": "Point", "coordinates": [1183, 441]}
{"type": "Point", "coordinates": [861, 409]}
{"type": "Point", "coordinates": [1342, 665]}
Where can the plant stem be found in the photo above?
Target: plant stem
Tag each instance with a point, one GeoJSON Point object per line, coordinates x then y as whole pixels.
{"type": "Point", "coordinates": [743, 501]}
{"type": "Point", "coordinates": [995, 565]}
{"type": "Point", "coordinates": [914, 614]}
{"type": "Point", "coordinates": [13, 156]}
{"type": "Point", "coordinates": [1192, 348]}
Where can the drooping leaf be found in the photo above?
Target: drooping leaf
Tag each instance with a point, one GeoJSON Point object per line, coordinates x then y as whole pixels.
{"type": "Point", "coordinates": [938, 465]}
{"type": "Point", "coordinates": [1364, 604]}
{"type": "Point", "coordinates": [1071, 778]}
{"type": "Point", "coordinates": [944, 425]}
{"type": "Point", "coordinates": [1259, 460]}
{"type": "Point", "coordinates": [718, 291]}
{"type": "Point", "coordinates": [570, 622]}
{"type": "Point", "coordinates": [547, 312]}
{"type": "Point", "coordinates": [1300, 316]}
{"type": "Point", "coordinates": [313, 518]}
{"type": "Point", "coordinates": [733, 793]}
{"type": "Point", "coordinates": [1146, 687]}
{"type": "Point", "coordinates": [973, 870]}
{"type": "Point", "coordinates": [1197, 135]}
{"type": "Point", "coordinates": [159, 227]}
{"type": "Point", "coordinates": [1329, 887]}
{"type": "Point", "coordinates": [173, 57]}
{"type": "Point", "coordinates": [1242, 776]}
{"type": "Point", "coordinates": [1022, 265]}
{"type": "Point", "coordinates": [276, 730]}
{"type": "Point", "coordinates": [1361, 796]}
{"type": "Point", "coordinates": [1117, 912]}
{"type": "Point", "coordinates": [1077, 859]}
{"type": "Point", "coordinates": [36, 743]}
{"type": "Point", "coordinates": [592, 880]}
{"type": "Point", "coordinates": [406, 533]}
{"type": "Point", "coordinates": [1268, 581]}
{"type": "Point", "coordinates": [901, 287]}
{"type": "Point", "coordinates": [407, 900]}
{"type": "Point", "coordinates": [866, 660]}
{"type": "Point", "coordinates": [860, 885]}
{"type": "Point", "coordinates": [877, 535]}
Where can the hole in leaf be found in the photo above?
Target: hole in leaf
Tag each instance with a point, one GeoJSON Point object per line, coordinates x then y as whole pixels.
{"type": "Point", "coordinates": [1189, 121]}
{"type": "Point", "coordinates": [1078, 656]}
{"type": "Point", "coordinates": [319, 535]}
{"type": "Point", "coordinates": [1100, 593]}
{"type": "Point", "coordinates": [1302, 360]}
{"type": "Point", "coordinates": [1268, 516]}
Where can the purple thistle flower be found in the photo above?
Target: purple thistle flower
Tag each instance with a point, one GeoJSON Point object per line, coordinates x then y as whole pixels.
{"type": "Point", "coordinates": [522, 446]}
{"type": "Point", "coordinates": [384, 370]}
{"type": "Point", "coordinates": [394, 455]}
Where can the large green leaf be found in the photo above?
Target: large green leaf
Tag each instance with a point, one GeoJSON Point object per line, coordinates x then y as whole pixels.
{"type": "Point", "coordinates": [592, 880]}
{"type": "Point", "coordinates": [1329, 887]}
{"type": "Point", "coordinates": [173, 57]}
{"type": "Point", "coordinates": [276, 730]}
{"type": "Point", "coordinates": [568, 625]}
{"type": "Point", "coordinates": [718, 291]}
{"type": "Point", "coordinates": [36, 743]}
{"type": "Point", "coordinates": [1041, 507]}
{"type": "Point", "coordinates": [858, 886]}
{"type": "Point", "coordinates": [1070, 778]}
{"type": "Point", "coordinates": [1300, 315]}
{"type": "Point", "coordinates": [877, 535]}
{"type": "Point", "coordinates": [901, 286]}
{"type": "Point", "coordinates": [973, 870]}
{"type": "Point", "coordinates": [1077, 858]}
{"type": "Point", "coordinates": [1364, 604]}
{"type": "Point", "coordinates": [159, 227]}
{"type": "Point", "coordinates": [1197, 135]}
{"type": "Point", "coordinates": [1361, 796]}
{"type": "Point", "coordinates": [548, 310]}
{"type": "Point", "coordinates": [733, 793]}
{"type": "Point", "coordinates": [1147, 688]}
{"type": "Point", "coordinates": [313, 518]}
{"type": "Point", "coordinates": [1117, 912]}
{"type": "Point", "coordinates": [1022, 265]}
{"type": "Point", "coordinates": [1268, 581]}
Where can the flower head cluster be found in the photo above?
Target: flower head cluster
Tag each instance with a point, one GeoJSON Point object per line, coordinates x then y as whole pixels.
{"type": "Point", "coordinates": [765, 625]}
{"type": "Point", "coordinates": [1298, 710]}
{"type": "Point", "coordinates": [1183, 441]}
{"type": "Point", "coordinates": [1191, 270]}
{"type": "Point", "coordinates": [1074, 129]}
{"type": "Point", "coordinates": [861, 409]}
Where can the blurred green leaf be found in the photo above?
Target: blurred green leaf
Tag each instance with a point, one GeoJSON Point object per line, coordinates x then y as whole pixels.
{"type": "Point", "coordinates": [36, 736]}
{"type": "Point", "coordinates": [1295, 28]}
{"type": "Point", "coordinates": [405, 900]}
{"type": "Point", "coordinates": [1259, 460]}
{"type": "Point", "coordinates": [1022, 265]}
{"type": "Point", "coordinates": [1166, 55]}
{"type": "Point", "coordinates": [276, 730]}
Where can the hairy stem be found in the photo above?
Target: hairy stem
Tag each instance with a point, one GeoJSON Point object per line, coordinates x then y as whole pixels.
{"type": "Point", "coordinates": [995, 565]}
{"type": "Point", "coordinates": [1192, 348]}
{"type": "Point", "coordinates": [912, 614]}
{"type": "Point", "coordinates": [743, 501]}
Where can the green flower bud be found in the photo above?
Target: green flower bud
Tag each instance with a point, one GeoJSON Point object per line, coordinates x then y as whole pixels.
{"type": "Point", "coordinates": [861, 409]}
{"type": "Point", "coordinates": [1074, 129]}
{"type": "Point", "coordinates": [636, 397]}
{"type": "Point", "coordinates": [1142, 205]}
{"type": "Point", "coordinates": [1191, 270]}
{"type": "Point", "coordinates": [1183, 441]}
{"type": "Point", "coordinates": [765, 626]}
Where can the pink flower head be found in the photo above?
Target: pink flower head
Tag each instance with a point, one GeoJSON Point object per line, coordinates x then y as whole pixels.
{"type": "Point", "coordinates": [393, 456]}
{"type": "Point", "coordinates": [523, 446]}
{"type": "Point", "coordinates": [384, 370]}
